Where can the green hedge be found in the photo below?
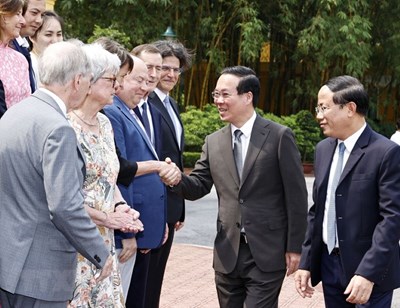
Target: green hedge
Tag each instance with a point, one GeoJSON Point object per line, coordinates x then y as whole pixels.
{"type": "Point", "coordinates": [198, 124]}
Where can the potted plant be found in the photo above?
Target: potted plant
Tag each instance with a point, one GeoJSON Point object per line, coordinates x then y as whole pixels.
{"type": "Point", "coordinates": [307, 135]}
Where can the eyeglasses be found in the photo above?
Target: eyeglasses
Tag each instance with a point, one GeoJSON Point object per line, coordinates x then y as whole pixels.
{"type": "Point", "coordinates": [321, 109]}
{"type": "Point", "coordinates": [157, 67]}
{"type": "Point", "coordinates": [324, 109]}
{"type": "Point", "coordinates": [112, 79]}
{"type": "Point", "coordinates": [225, 95]}
{"type": "Point", "coordinates": [167, 69]}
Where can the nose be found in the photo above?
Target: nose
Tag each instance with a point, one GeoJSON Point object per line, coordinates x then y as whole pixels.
{"type": "Point", "coordinates": [218, 100]}
{"type": "Point", "coordinates": [22, 20]}
{"type": "Point", "coordinates": [39, 19]}
{"type": "Point", "coordinates": [117, 84]}
{"type": "Point", "coordinates": [319, 115]}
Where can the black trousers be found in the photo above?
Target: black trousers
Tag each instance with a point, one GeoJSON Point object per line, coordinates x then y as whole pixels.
{"type": "Point", "coordinates": [137, 288]}
{"type": "Point", "coordinates": [334, 284]}
{"type": "Point", "coordinates": [158, 262]}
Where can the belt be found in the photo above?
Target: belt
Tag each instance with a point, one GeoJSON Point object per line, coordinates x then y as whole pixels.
{"type": "Point", "coordinates": [243, 238]}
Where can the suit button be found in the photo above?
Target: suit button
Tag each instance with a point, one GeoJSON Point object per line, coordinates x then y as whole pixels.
{"type": "Point", "coordinates": [241, 201]}
{"type": "Point", "coordinates": [161, 197]}
{"type": "Point", "coordinates": [238, 225]}
{"type": "Point", "coordinates": [340, 217]}
{"type": "Point", "coordinates": [97, 258]}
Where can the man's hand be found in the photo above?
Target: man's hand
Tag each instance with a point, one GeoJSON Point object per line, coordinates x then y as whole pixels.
{"type": "Point", "coordinates": [169, 172]}
{"type": "Point", "coordinates": [301, 280]}
{"type": "Point", "coordinates": [106, 270]}
{"type": "Point", "coordinates": [360, 290]}
{"type": "Point", "coordinates": [292, 262]}
{"type": "Point", "coordinates": [129, 247]}
{"type": "Point", "coordinates": [179, 225]}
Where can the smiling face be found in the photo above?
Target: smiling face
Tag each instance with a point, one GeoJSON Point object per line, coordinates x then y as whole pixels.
{"type": "Point", "coordinates": [10, 26]}
{"type": "Point", "coordinates": [333, 118]}
{"type": "Point", "coordinates": [170, 74]}
{"type": "Point", "coordinates": [134, 87]}
{"type": "Point", "coordinates": [33, 17]}
{"type": "Point", "coordinates": [49, 33]}
{"type": "Point", "coordinates": [233, 107]}
{"type": "Point", "coordinates": [153, 62]}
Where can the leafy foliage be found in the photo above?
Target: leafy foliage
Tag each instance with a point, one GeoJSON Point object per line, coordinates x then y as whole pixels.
{"type": "Point", "coordinates": [198, 124]}
{"type": "Point", "coordinates": [309, 42]}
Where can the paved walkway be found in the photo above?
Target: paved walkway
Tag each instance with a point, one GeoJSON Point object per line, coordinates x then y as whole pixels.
{"type": "Point", "coordinates": [189, 282]}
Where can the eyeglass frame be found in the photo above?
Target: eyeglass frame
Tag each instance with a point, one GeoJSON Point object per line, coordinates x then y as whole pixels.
{"type": "Point", "coordinates": [324, 109]}
{"type": "Point", "coordinates": [166, 68]}
{"type": "Point", "coordinates": [112, 79]}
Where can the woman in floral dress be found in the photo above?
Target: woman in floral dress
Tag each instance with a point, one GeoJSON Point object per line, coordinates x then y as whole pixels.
{"type": "Point", "coordinates": [95, 137]}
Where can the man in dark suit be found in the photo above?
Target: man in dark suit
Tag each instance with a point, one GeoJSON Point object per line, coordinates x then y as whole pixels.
{"type": "Point", "coordinates": [32, 12]}
{"type": "Point", "coordinates": [175, 59]}
{"type": "Point", "coordinates": [352, 240]}
{"type": "Point", "coordinates": [262, 197]}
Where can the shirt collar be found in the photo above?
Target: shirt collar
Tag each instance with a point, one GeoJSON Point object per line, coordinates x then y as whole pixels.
{"type": "Point", "coordinates": [247, 127]}
{"type": "Point", "coordinates": [350, 142]}
{"type": "Point", "coordinates": [58, 100]}
{"type": "Point", "coordinates": [161, 95]}
{"type": "Point", "coordinates": [22, 41]}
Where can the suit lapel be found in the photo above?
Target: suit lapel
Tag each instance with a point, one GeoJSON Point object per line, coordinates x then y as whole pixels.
{"type": "Point", "coordinates": [226, 151]}
{"type": "Point", "coordinates": [357, 152]}
{"type": "Point", "coordinates": [155, 100]}
{"type": "Point", "coordinates": [259, 135]}
{"type": "Point", "coordinates": [123, 108]}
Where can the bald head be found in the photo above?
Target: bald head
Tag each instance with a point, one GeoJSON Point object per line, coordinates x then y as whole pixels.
{"type": "Point", "coordinates": [134, 87]}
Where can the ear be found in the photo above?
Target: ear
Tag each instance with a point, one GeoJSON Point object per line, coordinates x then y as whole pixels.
{"type": "Point", "coordinates": [352, 108]}
{"type": "Point", "coordinates": [249, 97]}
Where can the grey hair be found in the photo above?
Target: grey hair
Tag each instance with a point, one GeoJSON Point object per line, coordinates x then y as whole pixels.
{"type": "Point", "coordinates": [101, 60]}
{"type": "Point", "coordinates": [61, 62]}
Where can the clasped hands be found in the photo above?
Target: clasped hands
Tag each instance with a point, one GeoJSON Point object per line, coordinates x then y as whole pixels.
{"type": "Point", "coordinates": [125, 219]}
{"type": "Point", "coordinates": [169, 172]}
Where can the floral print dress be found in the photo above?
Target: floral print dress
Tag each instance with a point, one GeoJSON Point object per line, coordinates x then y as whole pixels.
{"type": "Point", "coordinates": [102, 168]}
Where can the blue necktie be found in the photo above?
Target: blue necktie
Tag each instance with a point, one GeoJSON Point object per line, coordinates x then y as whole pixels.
{"type": "Point", "coordinates": [331, 216]}
{"type": "Point", "coordinates": [237, 151]}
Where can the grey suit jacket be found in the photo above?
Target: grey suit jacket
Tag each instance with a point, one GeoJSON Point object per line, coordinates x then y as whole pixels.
{"type": "Point", "coordinates": [42, 219]}
{"type": "Point", "coordinates": [270, 202]}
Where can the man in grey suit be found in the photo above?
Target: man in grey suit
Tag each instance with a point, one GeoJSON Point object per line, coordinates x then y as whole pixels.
{"type": "Point", "coordinates": [262, 195]}
{"type": "Point", "coordinates": [42, 219]}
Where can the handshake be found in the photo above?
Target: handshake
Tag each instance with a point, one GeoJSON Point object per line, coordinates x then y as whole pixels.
{"type": "Point", "coordinates": [169, 173]}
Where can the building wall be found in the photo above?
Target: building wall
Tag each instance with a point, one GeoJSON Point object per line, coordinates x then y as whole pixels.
{"type": "Point", "coordinates": [50, 4]}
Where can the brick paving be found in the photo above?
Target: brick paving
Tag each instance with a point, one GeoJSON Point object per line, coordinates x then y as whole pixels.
{"type": "Point", "coordinates": [189, 282]}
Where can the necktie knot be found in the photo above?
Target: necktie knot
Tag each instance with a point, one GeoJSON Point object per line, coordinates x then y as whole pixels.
{"type": "Point", "coordinates": [342, 147]}
{"type": "Point", "coordinates": [238, 134]}
{"type": "Point", "coordinates": [144, 106]}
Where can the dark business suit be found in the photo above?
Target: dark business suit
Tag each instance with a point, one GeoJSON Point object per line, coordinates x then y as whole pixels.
{"type": "Point", "coordinates": [367, 211]}
{"type": "Point", "coordinates": [3, 106]}
{"type": "Point", "coordinates": [270, 202]}
{"type": "Point", "coordinates": [146, 193]}
{"type": "Point", "coordinates": [175, 203]}
{"type": "Point", "coordinates": [27, 55]}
